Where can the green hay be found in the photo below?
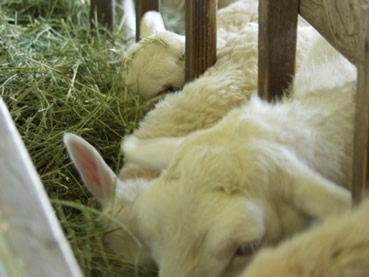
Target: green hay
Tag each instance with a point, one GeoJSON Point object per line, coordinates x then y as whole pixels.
{"type": "Point", "coordinates": [57, 77]}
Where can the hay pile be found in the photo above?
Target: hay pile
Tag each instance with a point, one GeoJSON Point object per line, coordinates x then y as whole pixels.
{"type": "Point", "coordinates": [55, 77]}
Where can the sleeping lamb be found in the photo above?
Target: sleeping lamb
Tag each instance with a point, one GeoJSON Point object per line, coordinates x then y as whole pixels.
{"type": "Point", "coordinates": [261, 174]}
{"type": "Point", "coordinates": [264, 172]}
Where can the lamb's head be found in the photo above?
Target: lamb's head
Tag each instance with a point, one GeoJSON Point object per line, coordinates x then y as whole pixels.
{"type": "Point", "coordinates": [218, 202]}
{"type": "Point", "coordinates": [195, 227]}
{"type": "Point", "coordinates": [208, 245]}
{"type": "Point", "coordinates": [155, 65]}
{"type": "Point", "coordinates": [116, 197]}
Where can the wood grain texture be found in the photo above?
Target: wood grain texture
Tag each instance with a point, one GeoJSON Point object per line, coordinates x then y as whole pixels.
{"type": "Point", "coordinates": [105, 11]}
{"type": "Point", "coordinates": [142, 6]}
{"type": "Point", "coordinates": [200, 36]}
{"type": "Point", "coordinates": [34, 234]}
{"type": "Point", "coordinates": [337, 21]}
{"type": "Point", "coordinates": [277, 46]}
{"type": "Point", "coordinates": [361, 138]}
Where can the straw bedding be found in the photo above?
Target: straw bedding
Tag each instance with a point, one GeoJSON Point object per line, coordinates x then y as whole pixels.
{"type": "Point", "coordinates": [57, 75]}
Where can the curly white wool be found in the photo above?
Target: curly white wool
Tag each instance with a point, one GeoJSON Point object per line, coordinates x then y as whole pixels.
{"type": "Point", "coordinates": [340, 247]}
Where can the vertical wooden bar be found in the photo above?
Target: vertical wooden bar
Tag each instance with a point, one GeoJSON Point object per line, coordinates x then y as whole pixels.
{"type": "Point", "coordinates": [360, 182]}
{"type": "Point", "coordinates": [143, 6]}
{"type": "Point", "coordinates": [105, 10]}
{"type": "Point", "coordinates": [277, 46]}
{"type": "Point", "coordinates": [200, 36]}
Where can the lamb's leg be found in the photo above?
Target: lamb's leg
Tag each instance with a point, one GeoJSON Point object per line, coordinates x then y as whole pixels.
{"type": "Point", "coordinates": [311, 193]}
{"type": "Point", "coordinates": [153, 153]}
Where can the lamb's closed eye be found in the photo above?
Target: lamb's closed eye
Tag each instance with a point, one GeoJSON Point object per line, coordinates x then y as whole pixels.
{"type": "Point", "coordinates": [245, 252]}
{"type": "Point", "coordinates": [168, 89]}
{"type": "Point", "coordinates": [248, 248]}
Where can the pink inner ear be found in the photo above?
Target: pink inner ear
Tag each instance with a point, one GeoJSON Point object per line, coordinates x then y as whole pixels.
{"type": "Point", "coordinates": [91, 175]}
{"type": "Point", "coordinates": [95, 175]}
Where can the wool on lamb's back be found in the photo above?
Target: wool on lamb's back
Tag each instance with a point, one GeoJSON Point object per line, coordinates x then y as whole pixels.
{"type": "Point", "coordinates": [340, 247]}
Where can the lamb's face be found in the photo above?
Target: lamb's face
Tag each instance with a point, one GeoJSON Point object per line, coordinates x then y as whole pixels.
{"type": "Point", "coordinates": [122, 234]}
{"type": "Point", "coordinates": [194, 225]}
{"type": "Point", "coordinates": [155, 65]}
{"type": "Point", "coordinates": [199, 234]}
{"type": "Point", "coordinates": [124, 238]}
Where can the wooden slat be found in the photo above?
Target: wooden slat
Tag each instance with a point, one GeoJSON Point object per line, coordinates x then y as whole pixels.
{"type": "Point", "coordinates": [361, 139]}
{"type": "Point", "coordinates": [277, 46]}
{"type": "Point", "coordinates": [34, 234]}
{"type": "Point", "coordinates": [105, 12]}
{"type": "Point", "coordinates": [200, 36]}
{"type": "Point", "coordinates": [337, 21]}
{"type": "Point", "coordinates": [142, 6]}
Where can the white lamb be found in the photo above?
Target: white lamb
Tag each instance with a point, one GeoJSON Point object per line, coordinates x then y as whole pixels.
{"type": "Point", "coordinates": [338, 248]}
{"type": "Point", "coordinates": [155, 65]}
{"type": "Point", "coordinates": [261, 174]}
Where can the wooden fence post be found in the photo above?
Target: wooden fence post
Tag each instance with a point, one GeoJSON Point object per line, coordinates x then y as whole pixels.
{"type": "Point", "coordinates": [143, 6]}
{"type": "Point", "coordinates": [200, 36]}
{"type": "Point", "coordinates": [360, 182]}
{"type": "Point", "coordinates": [105, 10]}
{"type": "Point", "coordinates": [277, 46]}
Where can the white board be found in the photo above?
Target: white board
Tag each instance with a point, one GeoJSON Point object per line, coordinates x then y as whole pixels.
{"type": "Point", "coordinates": [34, 235]}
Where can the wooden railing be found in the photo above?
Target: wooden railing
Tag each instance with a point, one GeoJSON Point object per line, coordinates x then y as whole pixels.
{"type": "Point", "coordinates": [345, 24]}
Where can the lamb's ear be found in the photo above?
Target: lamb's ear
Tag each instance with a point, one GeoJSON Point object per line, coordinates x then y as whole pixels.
{"type": "Point", "coordinates": [151, 24]}
{"type": "Point", "coordinates": [153, 153]}
{"type": "Point", "coordinates": [96, 174]}
{"type": "Point", "coordinates": [313, 194]}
